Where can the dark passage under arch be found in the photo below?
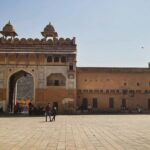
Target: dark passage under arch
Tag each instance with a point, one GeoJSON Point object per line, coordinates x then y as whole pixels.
{"type": "Point", "coordinates": [19, 87]}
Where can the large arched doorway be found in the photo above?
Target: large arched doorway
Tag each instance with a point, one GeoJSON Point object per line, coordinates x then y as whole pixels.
{"type": "Point", "coordinates": [21, 91]}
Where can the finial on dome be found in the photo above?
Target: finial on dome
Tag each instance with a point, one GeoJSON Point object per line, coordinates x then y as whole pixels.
{"type": "Point", "coordinates": [9, 22]}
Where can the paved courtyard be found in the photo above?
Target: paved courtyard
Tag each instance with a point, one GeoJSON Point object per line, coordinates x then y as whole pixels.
{"type": "Point", "coordinates": [88, 132]}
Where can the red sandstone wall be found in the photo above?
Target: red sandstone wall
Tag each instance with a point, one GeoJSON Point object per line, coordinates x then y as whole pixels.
{"type": "Point", "coordinates": [2, 94]}
{"type": "Point", "coordinates": [54, 94]}
{"type": "Point", "coordinates": [117, 80]}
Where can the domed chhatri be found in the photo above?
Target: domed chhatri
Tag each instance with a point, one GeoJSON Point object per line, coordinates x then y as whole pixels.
{"type": "Point", "coordinates": [8, 30]}
{"type": "Point", "coordinates": [49, 31]}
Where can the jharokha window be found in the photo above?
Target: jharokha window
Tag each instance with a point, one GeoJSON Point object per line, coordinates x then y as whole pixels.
{"type": "Point", "coordinates": [56, 79]}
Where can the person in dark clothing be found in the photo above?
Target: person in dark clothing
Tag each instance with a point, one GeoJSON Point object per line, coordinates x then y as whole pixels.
{"type": "Point", "coordinates": [30, 108]}
{"type": "Point", "coordinates": [54, 111]}
{"type": "Point", "coordinates": [16, 108]}
{"type": "Point", "coordinates": [48, 112]}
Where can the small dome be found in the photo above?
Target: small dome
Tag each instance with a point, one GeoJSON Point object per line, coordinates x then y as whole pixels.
{"type": "Point", "coordinates": [49, 28]}
{"type": "Point", "coordinates": [49, 31]}
{"type": "Point", "coordinates": [8, 30]}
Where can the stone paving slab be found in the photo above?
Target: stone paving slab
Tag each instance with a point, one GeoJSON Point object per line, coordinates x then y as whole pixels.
{"type": "Point", "coordinates": [87, 132]}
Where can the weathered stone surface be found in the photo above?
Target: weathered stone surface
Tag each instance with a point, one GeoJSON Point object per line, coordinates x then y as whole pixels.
{"type": "Point", "coordinates": [100, 132]}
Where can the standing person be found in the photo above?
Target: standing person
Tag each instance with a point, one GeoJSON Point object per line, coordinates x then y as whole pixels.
{"type": "Point", "coordinates": [48, 112]}
{"type": "Point", "coordinates": [54, 111]}
{"type": "Point", "coordinates": [16, 108]}
{"type": "Point", "coordinates": [30, 108]}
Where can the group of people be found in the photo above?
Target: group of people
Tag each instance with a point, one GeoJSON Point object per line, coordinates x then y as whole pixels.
{"type": "Point", "coordinates": [35, 110]}
{"type": "Point", "coordinates": [50, 112]}
{"type": "Point", "coordinates": [19, 108]}
{"type": "Point", "coordinates": [27, 109]}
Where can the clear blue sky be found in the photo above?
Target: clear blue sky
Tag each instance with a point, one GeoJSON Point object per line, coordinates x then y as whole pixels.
{"type": "Point", "coordinates": [109, 33]}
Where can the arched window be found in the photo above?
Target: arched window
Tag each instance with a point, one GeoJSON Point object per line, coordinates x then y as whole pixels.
{"type": "Point", "coordinates": [56, 59]}
{"type": "Point", "coordinates": [95, 105]}
{"type": "Point", "coordinates": [63, 59]}
{"type": "Point", "coordinates": [56, 79]}
{"type": "Point", "coordinates": [84, 103]}
{"type": "Point", "coordinates": [49, 59]}
{"type": "Point", "coordinates": [111, 102]}
{"type": "Point", "coordinates": [71, 67]}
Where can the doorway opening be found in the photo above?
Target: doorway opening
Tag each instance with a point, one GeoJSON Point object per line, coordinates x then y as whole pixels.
{"type": "Point", "coordinates": [55, 104]}
{"type": "Point", "coordinates": [21, 92]}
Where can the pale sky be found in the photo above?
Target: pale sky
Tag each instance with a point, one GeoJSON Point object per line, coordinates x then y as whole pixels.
{"type": "Point", "coordinates": [109, 33]}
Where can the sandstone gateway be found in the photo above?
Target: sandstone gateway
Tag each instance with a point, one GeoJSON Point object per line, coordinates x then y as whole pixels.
{"type": "Point", "coordinates": [51, 63]}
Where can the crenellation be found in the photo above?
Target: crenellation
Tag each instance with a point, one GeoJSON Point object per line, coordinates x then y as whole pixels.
{"type": "Point", "coordinates": [37, 42]}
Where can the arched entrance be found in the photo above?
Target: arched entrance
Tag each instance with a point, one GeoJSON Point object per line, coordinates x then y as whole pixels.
{"type": "Point", "coordinates": [55, 104]}
{"type": "Point", "coordinates": [21, 90]}
{"type": "Point", "coordinates": [85, 104]}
